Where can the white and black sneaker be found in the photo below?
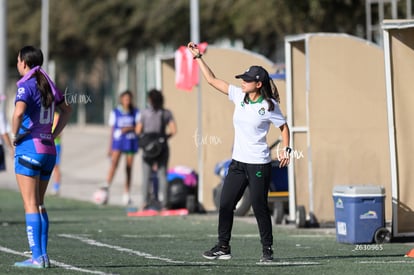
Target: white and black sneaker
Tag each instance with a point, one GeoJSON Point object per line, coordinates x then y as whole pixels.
{"type": "Point", "coordinates": [218, 252]}
{"type": "Point", "coordinates": [267, 255]}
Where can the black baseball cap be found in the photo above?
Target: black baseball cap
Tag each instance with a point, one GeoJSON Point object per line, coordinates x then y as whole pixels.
{"type": "Point", "coordinates": [254, 73]}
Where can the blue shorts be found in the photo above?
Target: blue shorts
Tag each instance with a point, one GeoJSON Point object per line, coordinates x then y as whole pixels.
{"type": "Point", "coordinates": [126, 146]}
{"type": "Point", "coordinates": [35, 165]}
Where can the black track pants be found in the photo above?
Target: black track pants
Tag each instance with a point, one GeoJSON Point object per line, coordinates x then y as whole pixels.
{"type": "Point", "coordinates": [257, 178]}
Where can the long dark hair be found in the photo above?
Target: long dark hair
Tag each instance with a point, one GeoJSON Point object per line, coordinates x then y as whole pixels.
{"type": "Point", "coordinates": [131, 106]}
{"type": "Point", "coordinates": [156, 98]}
{"type": "Point", "coordinates": [268, 91]}
{"type": "Point", "coordinates": [34, 57]}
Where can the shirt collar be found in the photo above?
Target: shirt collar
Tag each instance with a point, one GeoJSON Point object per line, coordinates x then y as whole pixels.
{"type": "Point", "coordinates": [258, 100]}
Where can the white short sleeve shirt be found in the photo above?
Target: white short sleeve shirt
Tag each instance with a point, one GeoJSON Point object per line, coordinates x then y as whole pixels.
{"type": "Point", "coordinates": [251, 123]}
{"type": "Point", "coordinates": [4, 126]}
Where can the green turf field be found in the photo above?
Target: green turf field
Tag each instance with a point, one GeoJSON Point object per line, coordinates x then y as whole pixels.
{"type": "Point", "coordinates": [89, 239]}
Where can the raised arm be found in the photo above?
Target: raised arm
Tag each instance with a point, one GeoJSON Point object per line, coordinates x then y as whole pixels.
{"type": "Point", "coordinates": [218, 84]}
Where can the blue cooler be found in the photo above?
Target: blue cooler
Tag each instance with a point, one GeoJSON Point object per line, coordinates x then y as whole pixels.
{"type": "Point", "coordinates": [359, 212]}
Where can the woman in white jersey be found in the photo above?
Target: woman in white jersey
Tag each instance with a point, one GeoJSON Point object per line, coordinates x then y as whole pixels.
{"type": "Point", "coordinates": [256, 107]}
{"type": "Point", "coordinates": [4, 139]}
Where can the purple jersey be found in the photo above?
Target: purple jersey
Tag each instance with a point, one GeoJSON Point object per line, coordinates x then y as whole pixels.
{"type": "Point", "coordinates": [37, 120]}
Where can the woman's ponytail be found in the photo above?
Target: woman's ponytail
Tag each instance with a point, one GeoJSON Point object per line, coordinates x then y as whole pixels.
{"type": "Point", "coordinates": [44, 88]}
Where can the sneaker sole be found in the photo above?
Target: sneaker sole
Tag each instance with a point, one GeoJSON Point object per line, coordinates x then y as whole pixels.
{"type": "Point", "coordinates": [28, 266]}
{"type": "Point", "coordinates": [221, 257]}
{"type": "Point", "coordinates": [266, 260]}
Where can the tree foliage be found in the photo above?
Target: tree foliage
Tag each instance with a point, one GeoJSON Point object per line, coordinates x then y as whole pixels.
{"type": "Point", "coordinates": [99, 28]}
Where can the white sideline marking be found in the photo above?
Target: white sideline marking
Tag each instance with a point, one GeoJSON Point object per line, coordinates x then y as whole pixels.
{"type": "Point", "coordinates": [287, 263]}
{"type": "Point", "coordinates": [131, 251]}
{"type": "Point", "coordinates": [387, 262]}
{"type": "Point", "coordinates": [59, 264]}
{"type": "Point", "coordinates": [238, 236]}
{"type": "Point", "coordinates": [149, 236]}
{"type": "Point", "coordinates": [313, 236]}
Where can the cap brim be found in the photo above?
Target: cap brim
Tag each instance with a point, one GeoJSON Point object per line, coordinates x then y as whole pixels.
{"type": "Point", "coordinates": [245, 77]}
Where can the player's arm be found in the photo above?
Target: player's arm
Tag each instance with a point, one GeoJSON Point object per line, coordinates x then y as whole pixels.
{"type": "Point", "coordinates": [172, 128]}
{"type": "Point", "coordinates": [208, 74]}
{"type": "Point", "coordinates": [127, 129]}
{"type": "Point", "coordinates": [111, 139]}
{"type": "Point", "coordinates": [19, 109]}
{"type": "Point", "coordinates": [138, 128]}
{"type": "Point", "coordinates": [64, 116]}
{"type": "Point", "coordinates": [284, 155]}
{"type": "Point", "coordinates": [138, 124]}
{"type": "Point", "coordinates": [8, 142]}
{"type": "Point", "coordinates": [55, 120]}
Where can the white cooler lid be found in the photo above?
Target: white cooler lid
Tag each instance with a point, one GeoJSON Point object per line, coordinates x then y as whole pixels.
{"type": "Point", "coordinates": [359, 191]}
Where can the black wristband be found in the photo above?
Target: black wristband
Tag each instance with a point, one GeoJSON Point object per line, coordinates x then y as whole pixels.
{"type": "Point", "coordinates": [288, 149]}
{"type": "Point", "coordinates": [199, 55]}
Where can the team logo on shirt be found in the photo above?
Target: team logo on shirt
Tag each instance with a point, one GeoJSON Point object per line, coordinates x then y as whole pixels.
{"type": "Point", "coordinates": [20, 92]}
{"type": "Point", "coordinates": [242, 104]}
{"type": "Point", "coordinates": [262, 111]}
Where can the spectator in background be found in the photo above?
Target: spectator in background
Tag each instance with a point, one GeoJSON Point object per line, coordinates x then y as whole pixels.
{"type": "Point", "coordinates": [35, 156]}
{"type": "Point", "coordinates": [57, 176]}
{"type": "Point", "coordinates": [4, 139]}
{"type": "Point", "coordinates": [123, 120]}
{"type": "Point", "coordinates": [155, 124]}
